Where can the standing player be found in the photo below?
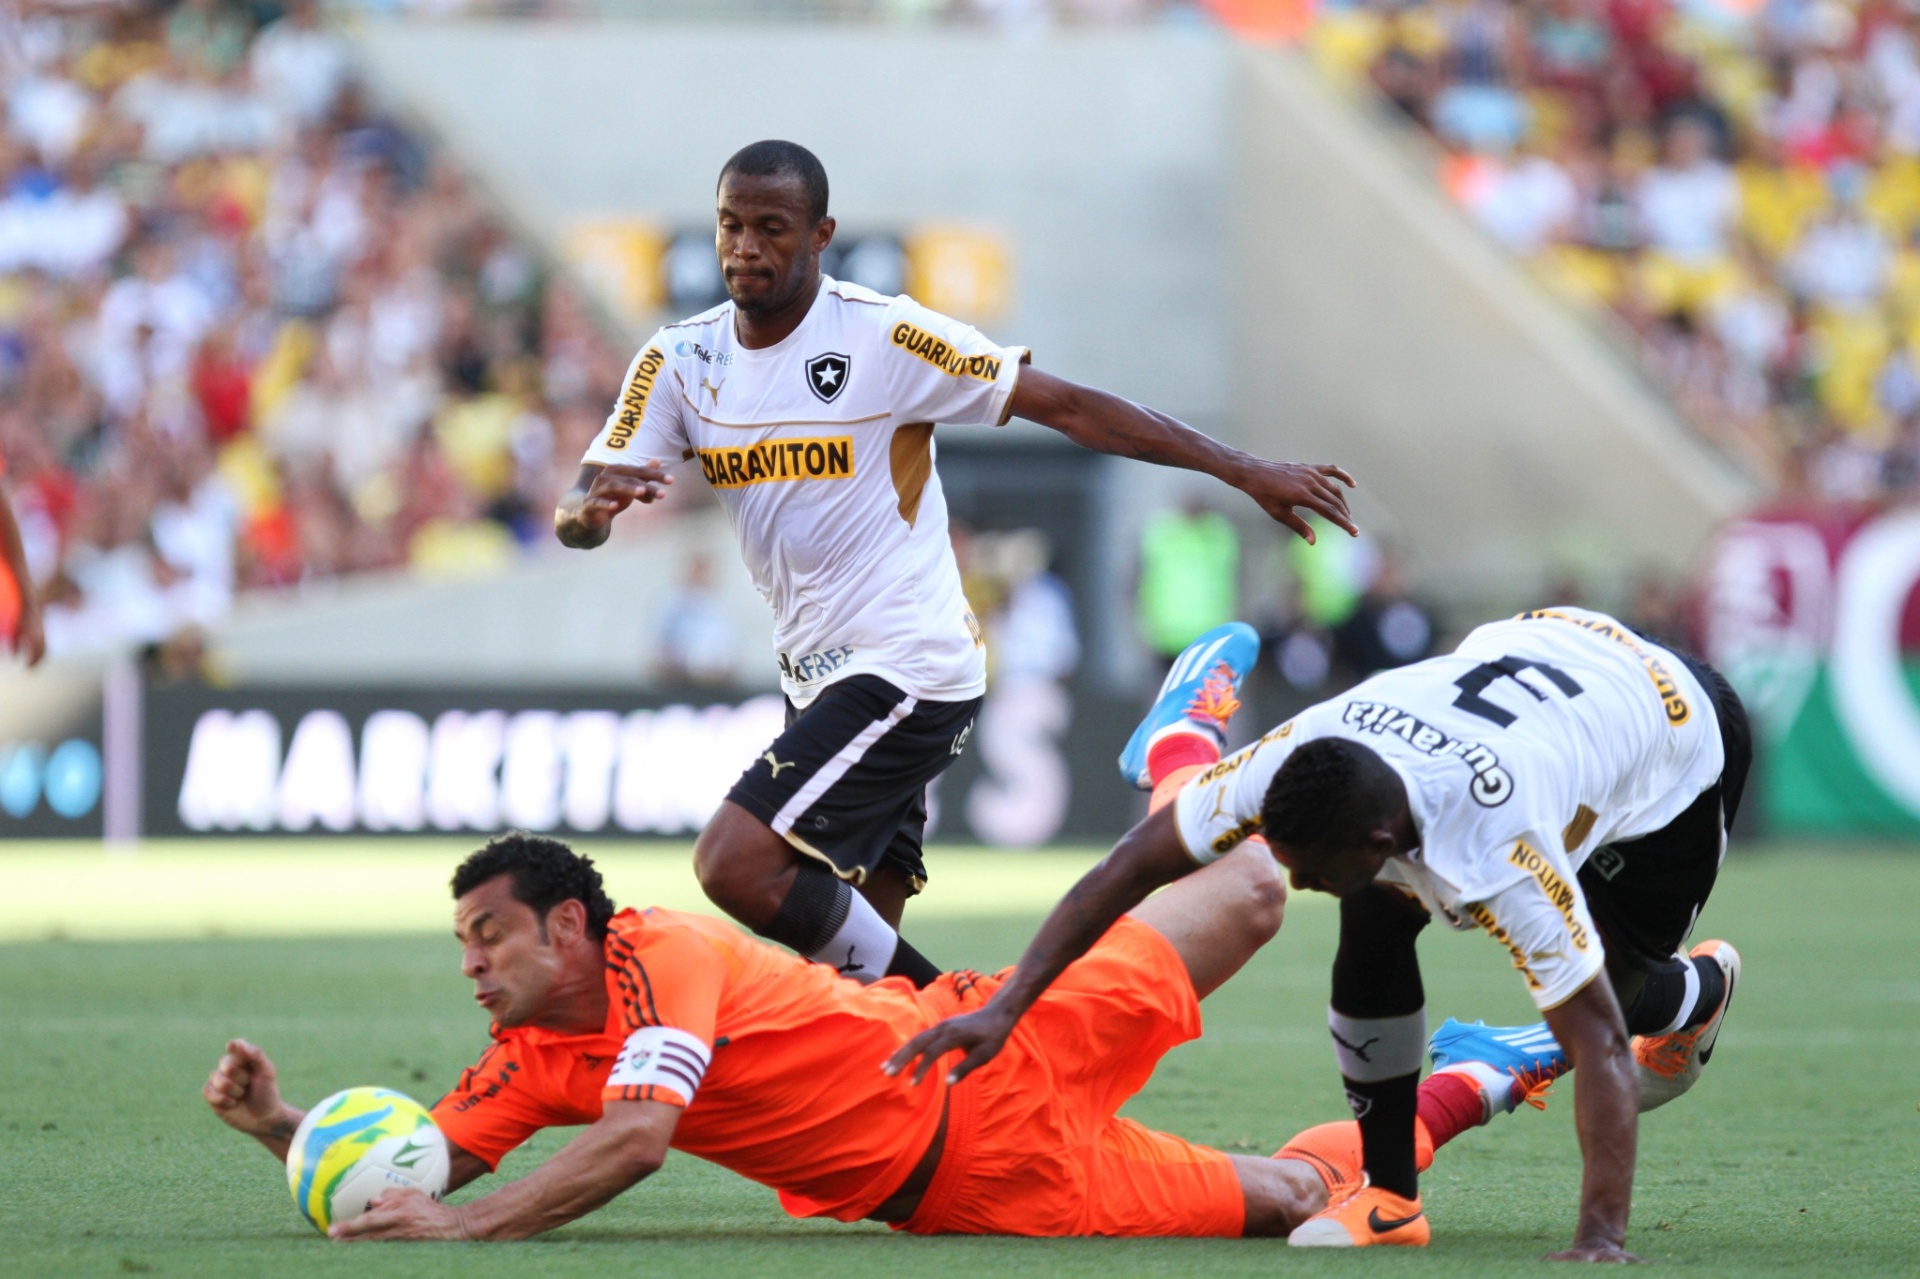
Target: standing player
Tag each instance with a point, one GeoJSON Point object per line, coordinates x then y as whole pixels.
{"type": "Point", "coordinates": [1558, 781]}
{"type": "Point", "coordinates": [810, 406]}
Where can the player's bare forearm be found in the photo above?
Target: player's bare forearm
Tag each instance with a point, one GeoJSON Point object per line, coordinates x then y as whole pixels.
{"type": "Point", "coordinates": [1147, 857]}
{"type": "Point", "coordinates": [1106, 423]}
{"type": "Point", "coordinates": [1606, 1112]}
{"type": "Point", "coordinates": [624, 1147]}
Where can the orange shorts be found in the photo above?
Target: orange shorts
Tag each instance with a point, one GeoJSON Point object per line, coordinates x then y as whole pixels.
{"type": "Point", "coordinates": [1033, 1143]}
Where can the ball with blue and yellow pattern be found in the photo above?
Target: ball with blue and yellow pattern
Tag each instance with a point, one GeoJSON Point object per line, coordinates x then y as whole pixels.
{"type": "Point", "coordinates": [358, 1143]}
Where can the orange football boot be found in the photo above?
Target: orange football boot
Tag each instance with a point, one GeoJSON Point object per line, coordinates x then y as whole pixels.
{"type": "Point", "coordinates": [1368, 1217]}
{"type": "Point", "coordinates": [1669, 1065]}
{"type": "Point", "coordinates": [1334, 1151]}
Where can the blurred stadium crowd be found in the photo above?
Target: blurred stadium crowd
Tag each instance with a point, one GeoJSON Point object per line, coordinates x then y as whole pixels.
{"type": "Point", "coordinates": [251, 331]}
{"type": "Point", "coordinates": [1738, 181]}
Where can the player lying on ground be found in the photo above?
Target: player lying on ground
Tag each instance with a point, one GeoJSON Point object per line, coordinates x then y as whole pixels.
{"type": "Point", "coordinates": [809, 405]}
{"type": "Point", "coordinates": [1558, 781]}
{"type": "Point", "coordinates": [663, 1030]}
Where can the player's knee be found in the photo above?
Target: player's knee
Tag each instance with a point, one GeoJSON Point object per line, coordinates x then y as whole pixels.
{"type": "Point", "coordinates": [1263, 895]}
{"type": "Point", "coordinates": [738, 870]}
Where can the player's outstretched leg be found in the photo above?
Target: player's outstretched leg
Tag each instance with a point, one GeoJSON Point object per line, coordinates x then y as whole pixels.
{"type": "Point", "coordinates": [1670, 1064]}
{"type": "Point", "coordinates": [1189, 717]}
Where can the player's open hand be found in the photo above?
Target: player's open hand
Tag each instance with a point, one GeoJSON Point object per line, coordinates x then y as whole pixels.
{"type": "Point", "coordinates": [586, 511]}
{"type": "Point", "coordinates": [1279, 487]}
{"type": "Point", "coordinates": [1605, 1252]}
{"type": "Point", "coordinates": [616, 488]}
{"type": "Point", "coordinates": [402, 1214]}
{"type": "Point", "coordinates": [980, 1035]}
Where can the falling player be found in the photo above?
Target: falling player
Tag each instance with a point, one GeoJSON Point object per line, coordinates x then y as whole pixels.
{"type": "Point", "coordinates": [810, 406]}
{"type": "Point", "coordinates": [664, 1031]}
{"type": "Point", "coordinates": [1557, 781]}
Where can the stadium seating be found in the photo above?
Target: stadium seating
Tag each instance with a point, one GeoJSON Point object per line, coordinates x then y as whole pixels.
{"type": "Point", "coordinates": [1736, 182]}
{"type": "Point", "coordinates": [252, 332]}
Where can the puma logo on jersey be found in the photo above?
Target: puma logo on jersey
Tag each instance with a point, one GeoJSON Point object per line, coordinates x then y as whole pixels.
{"type": "Point", "coordinates": [775, 765]}
{"type": "Point", "coordinates": [852, 965]}
{"type": "Point", "coordinates": [776, 461]}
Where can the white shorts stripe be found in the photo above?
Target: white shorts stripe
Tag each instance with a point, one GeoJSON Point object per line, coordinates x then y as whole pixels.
{"type": "Point", "coordinates": [836, 768]}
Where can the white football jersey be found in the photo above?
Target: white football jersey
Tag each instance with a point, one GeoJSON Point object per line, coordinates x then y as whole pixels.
{"type": "Point", "coordinates": [821, 450]}
{"type": "Point", "coordinates": [1537, 741]}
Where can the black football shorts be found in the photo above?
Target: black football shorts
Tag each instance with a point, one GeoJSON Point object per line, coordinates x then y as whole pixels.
{"type": "Point", "coordinates": [847, 781]}
{"type": "Point", "coordinates": [1645, 893]}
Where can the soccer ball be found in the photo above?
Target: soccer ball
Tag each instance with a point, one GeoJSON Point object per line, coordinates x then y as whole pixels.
{"type": "Point", "coordinates": [358, 1143]}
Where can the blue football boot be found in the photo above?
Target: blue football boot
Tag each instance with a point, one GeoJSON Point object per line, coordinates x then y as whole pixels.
{"type": "Point", "coordinates": [1200, 693]}
{"type": "Point", "coordinates": [1528, 1055]}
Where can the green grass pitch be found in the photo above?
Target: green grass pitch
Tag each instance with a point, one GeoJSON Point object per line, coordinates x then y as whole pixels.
{"type": "Point", "coordinates": [1797, 1153]}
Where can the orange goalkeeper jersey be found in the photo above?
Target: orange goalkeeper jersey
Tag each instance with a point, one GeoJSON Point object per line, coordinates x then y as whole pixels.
{"type": "Point", "coordinates": [776, 1060]}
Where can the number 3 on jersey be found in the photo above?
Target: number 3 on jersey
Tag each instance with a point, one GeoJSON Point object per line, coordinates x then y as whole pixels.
{"type": "Point", "coordinates": [1475, 681]}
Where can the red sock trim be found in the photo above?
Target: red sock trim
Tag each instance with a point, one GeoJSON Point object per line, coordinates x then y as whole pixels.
{"type": "Point", "coordinates": [1449, 1105]}
{"type": "Point", "coordinates": [1180, 750]}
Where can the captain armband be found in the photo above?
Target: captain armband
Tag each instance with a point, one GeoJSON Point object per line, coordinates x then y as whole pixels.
{"type": "Point", "coordinates": [660, 1056]}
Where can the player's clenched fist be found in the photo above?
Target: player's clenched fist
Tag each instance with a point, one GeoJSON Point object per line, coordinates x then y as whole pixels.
{"type": "Point", "coordinates": [586, 511]}
{"type": "Point", "coordinates": [245, 1092]}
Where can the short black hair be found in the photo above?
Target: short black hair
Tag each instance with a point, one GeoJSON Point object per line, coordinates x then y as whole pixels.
{"type": "Point", "coordinates": [545, 873]}
{"type": "Point", "coordinates": [1328, 795]}
{"type": "Point", "coordinates": [776, 159]}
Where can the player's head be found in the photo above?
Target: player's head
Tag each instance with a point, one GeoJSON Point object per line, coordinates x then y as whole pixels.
{"type": "Point", "coordinates": [531, 915]}
{"type": "Point", "coordinates": [771, 224]}
{"type": "Point", "coordinates": [1330, 815]}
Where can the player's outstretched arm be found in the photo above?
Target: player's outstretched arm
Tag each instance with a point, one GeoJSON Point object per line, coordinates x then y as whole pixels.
{"type": "Point", "coordinates": [1146, 857]}
{"type": "Point", "coordinates": [625, 1146]}
{"type": "Point", "coordinates": [244, 1090]}
{"type": "Point", "coordinates": [584, 517]}
{"type": "Point", "coordinates": [1106, 423]}
{"type": "Point", "coordinates": [1606, 1107]}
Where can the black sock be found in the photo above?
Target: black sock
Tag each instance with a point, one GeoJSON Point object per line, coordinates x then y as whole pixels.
{"type": "Point", "coordinates": [1665, 1004]}
{"type": "Point", "coordinates": [825, 920]}
{"type": "Point", "coordinates": [1378, 1021]}
{"type": "Point", "coordinates": [1386, 1110]}
{"type": "Point", "coordinates": [910, 963]}
{"type": "Point", "coordinates": [814, 910]}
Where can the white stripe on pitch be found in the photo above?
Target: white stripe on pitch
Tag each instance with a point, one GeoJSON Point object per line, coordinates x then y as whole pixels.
{"type": "Point", "coordinates": [837, 767]}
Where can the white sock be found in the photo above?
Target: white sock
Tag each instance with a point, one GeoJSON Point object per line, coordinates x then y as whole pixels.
{"type": "Point", "coordinates": [863, 946]}
{"type": "Point", "coordinates": [1496, 1087]}
{"type": "Point", "coordinates": [1687, 1001]}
